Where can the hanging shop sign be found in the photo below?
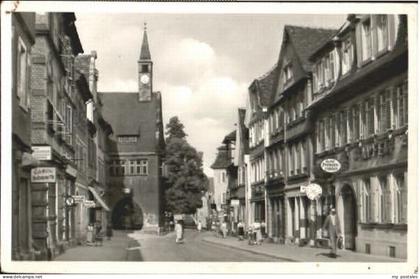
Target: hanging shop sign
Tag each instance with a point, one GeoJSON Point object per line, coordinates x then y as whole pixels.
{"type": "Point", "coordinates": [43, 175]}
{"type": "Point", "coordinates": [42, 153]}
{"type": "Point", "coordinates": [313, 191]}
{"type": "Point", "coordinates": [70, 201]}
{"type": "Point", "coordinates": [234, 202]}
{"type": "Point", "coordinates": [330, 165]}
{"type": "Point", "coordinates": [78, 199]}
{"type": "Point", "coordinates": [89, 204]}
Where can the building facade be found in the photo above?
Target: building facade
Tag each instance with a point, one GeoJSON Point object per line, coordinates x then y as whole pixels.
{"type": "Point", "coordinates": [363, 72]}
{"type": "Point", "coordinates": [23, 25]}
{"type": "Point", "coordinates": [52, 102]}
{"type": "Point", "coordinates": [135, 150]}
{"type": "Point", "coordinates": [219, 167]}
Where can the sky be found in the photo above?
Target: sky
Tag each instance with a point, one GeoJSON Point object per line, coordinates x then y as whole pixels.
{"type": "Point", "coordinates": [202, 64]}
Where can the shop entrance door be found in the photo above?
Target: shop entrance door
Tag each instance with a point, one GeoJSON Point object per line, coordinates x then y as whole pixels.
{"type": "Point", "coordinates": [349, 217]}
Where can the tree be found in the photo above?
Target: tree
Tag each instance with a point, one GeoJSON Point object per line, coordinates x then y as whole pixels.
{"type": "Point", "coordinates": [185, 179]}
{"type": "Point", "coordinates": [175, 129]}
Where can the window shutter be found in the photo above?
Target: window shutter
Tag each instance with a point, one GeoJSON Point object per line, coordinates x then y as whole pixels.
{"type": "Point", "coordinates": [391, 31]}
{"type": "Point", "coordinates": [404, 200]}
{"type": "Point", "coordinates": [359, 44]}
{"type": "Point", "coordinates": [388, 199]}
{"type": "Point", "coordinates": [388, 104]}
{"type": "Point", "coordinates": [374, 34]}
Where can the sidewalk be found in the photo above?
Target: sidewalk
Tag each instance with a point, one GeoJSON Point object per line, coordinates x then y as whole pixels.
{"type": "Point", "coordinates": [297, 254]}
{"type": "Point", "coordinates": [116, 249]}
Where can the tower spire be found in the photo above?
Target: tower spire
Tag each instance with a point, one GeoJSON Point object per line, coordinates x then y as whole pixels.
{"type": "Point", "coordinates": [145, 52]}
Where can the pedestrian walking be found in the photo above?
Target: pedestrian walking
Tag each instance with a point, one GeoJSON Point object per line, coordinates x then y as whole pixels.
{"type": "Point", "coordinates": [223, 228]}
{"type": "Point", "coordinates": [241, 231]}
{"type": "Point", "coordinates": [199, 226]}
{"type": "Point", "coordinates": [332, 226]}
{"type": "Point", "coordinates": [179, 232]}
{"type": "Point", "coordinates": [258, 234]}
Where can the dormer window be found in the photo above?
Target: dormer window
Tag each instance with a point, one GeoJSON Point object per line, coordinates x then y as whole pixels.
{"type": "Point", "coordinates": [287, 73]}
{"type": "Point", "coordinates": [126, 139]}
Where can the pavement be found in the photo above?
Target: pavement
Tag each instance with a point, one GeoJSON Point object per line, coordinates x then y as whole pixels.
{"type": "Point", "coordinates": [292, 253]}
{"type": "Point", "coordinates": [120, 248]}
{"type": "Point", "coordinates": [193, 249]}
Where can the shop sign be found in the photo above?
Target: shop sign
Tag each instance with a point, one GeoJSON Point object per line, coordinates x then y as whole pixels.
{"type": "Point", "coordinates": [330, 165]}
{"type": "Point", "coordinates": [43, 175]}
{"type": "Point", "coordinates": [70, 201]}
{"type": "Point", "coordinates": [89, 204]}
{"type": "Point", "coordinates": [234, 202]}
{"type": "Point", "coordinates": [313, 191]}
{"type": "Point", "coordinates": [71, 171]}
{"type": "Point", "coordinates": [42, 153]}
{"type": "Point", "coordinates": [78, 199]}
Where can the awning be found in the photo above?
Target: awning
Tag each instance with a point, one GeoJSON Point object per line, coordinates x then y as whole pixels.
{"type": "Point", "coordinates": [99, 198]}
{"type": "Point", "coordinates": [28, 160]}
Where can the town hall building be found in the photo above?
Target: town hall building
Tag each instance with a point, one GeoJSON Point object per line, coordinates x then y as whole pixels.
{"type": "Point", "coordinates": [135, 150]}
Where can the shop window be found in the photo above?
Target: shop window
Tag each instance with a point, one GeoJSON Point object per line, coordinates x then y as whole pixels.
{"type": "Point", "coordinates": [126, 139]}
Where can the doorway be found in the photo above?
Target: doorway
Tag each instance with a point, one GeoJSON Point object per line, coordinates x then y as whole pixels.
{"type": "Point", "coordinates": [127, 215]}
{"type": "Point", "coordinates": [349, 217]}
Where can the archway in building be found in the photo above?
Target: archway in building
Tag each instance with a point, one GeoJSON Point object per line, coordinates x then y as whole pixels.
{"type": "Point", "coordinates": [127, 215]}
{"type": "Point", "coordinates": [349, 217]}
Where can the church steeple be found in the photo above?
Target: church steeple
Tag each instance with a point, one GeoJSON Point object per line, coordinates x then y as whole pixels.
{"type": "Point", "coordinates": [145, 52]}
{"type": "Point", "coordinates": [145, 66]}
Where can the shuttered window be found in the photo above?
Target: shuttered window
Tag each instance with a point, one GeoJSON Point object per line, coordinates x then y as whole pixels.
{"type": "Point", "coordinates": [349, 126]}
{"type": "Point", "coordinates": [356, 122]}
{"type": "Point", "coordinates": [400, 202]}
{"type": "Point", "coordinates": [366, 200]}
{"type": "Point", "coordinates": [383, 200]}
{"type": "Point", "coordinates": [370, 117]}
{"type": "Point", "coordinates": [366, 40]}
{"type": "Point", "coordinates": [382, 32]}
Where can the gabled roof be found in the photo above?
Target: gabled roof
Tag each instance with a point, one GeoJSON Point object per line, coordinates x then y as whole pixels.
{"type": "Point", "coordinates": [222, 159]}
{"type": "Point", "coordinates": [305, 40]}
{"type": "Point", "coordinates": [230, 137]}
{"type": "Point", "coordinates": [128, 116]}
{"type": "Point", "coordinates": [265, 86]}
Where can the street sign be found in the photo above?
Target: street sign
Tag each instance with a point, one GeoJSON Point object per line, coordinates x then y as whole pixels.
{"type": "Point", "coordinates": [330, 165]}
{"type": "Point", "coordinates": [43, 175]}
{"type": "Point", "coordinates": [313, 191]}
{"type": "Point", "coordinates": [89, 204]}
{"type": "Point", "coordinates": [42, 152]}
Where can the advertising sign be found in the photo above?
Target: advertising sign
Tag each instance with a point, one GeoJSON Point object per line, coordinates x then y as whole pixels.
{"type": "Point", "coordinates": [43, 175]}
{"type": "Point", "coordinates": [234, 202]}
{"type": "Point", "coordinates": [78, 199]}
{"type": "Point", "coordinates": [41, 153]}
{"type": "Point", "coordinates": [330, 165]}
{"type": "Point", "coordinates": [313, 191]}
{"type": "Point", "coordinates": [89, 204]}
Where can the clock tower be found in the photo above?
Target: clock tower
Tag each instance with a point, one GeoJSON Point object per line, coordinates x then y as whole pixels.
{"type": "Point", "coordinates": [145, 66]}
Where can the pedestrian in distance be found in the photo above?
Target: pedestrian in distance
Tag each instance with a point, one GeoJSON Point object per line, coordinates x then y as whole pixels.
{"type": "Point", "coordinates": [199, 226]}
{"type": "Point", "coordinates": [332, 226]}
{"type": "Point", "coordinates": [258, 234]}
{"type": "Point", "coordinates": [223, 228]}
{"type": "Point", "coordinates": [179, 232]}
{"type": "Point", "coordinates": [241, 231]}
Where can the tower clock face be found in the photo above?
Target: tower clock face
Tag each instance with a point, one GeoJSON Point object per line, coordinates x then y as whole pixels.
{"type": "Point", "coordinates": [144, 79]}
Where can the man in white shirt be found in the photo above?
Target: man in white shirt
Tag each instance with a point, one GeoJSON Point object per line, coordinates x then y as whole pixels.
{"type": "Point", "coordinates": [332, 225]}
